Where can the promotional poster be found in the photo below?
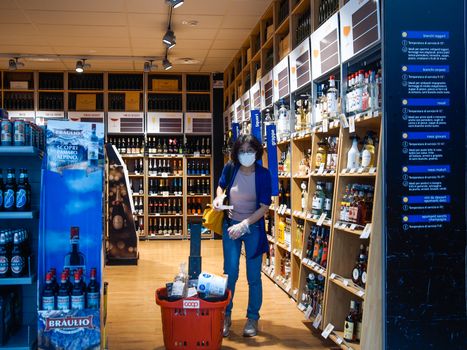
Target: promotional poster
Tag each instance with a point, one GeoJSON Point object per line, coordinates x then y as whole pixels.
{"type": "Point", "coordinates": [70, 237]}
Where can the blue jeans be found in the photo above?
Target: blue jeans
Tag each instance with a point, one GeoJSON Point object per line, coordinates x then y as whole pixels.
{"type": "Point", "coordinates": [232, 251]}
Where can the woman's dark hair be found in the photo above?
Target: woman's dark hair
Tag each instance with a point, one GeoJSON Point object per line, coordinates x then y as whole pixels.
{"type": "Point", "coordinates": [252, 141]}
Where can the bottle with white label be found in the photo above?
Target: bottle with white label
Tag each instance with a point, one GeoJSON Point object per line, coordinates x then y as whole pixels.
{"type": "Point", "coordinates": [368, 152]}
{"type": "Point", "coordinates": [331, 97]}
{"type": "Point", "coordinates": [283, 122]}
{"type": "Point", "coordinates": [318, 200]}
{"type": "Point", "coordinates": [304, 198]}
{"type": "Point", "coordinates": [353, 155]}
{"type": "Point", "coordinates": [349, 324]}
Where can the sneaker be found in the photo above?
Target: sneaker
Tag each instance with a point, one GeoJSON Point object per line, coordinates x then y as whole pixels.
{"type": "Point", "coordinates": [251, 328]}
{"type": "Point", "coordinates": [227, 324]}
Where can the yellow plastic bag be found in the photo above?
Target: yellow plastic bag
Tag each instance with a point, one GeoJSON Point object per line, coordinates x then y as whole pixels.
{"type": "Point", "coordinates": [213, 219]}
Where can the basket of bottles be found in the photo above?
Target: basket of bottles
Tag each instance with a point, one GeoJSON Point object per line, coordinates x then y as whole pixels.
{"type": "Point", "coordinates": [195, 320]}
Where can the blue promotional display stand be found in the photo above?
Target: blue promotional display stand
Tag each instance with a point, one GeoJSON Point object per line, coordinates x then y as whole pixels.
{"type": "Point", "coordinates": [71, 235]}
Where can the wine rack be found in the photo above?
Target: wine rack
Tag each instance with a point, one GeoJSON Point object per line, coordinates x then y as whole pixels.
{"type": "Point", "coordinates": [165, 102]}
{"type": "Point", "coordinates": [51, 81]}
{"type": "Point", "coordinates": [51, 101]}
{"type": "Point", "coordinates": [86, 81]}
{"type": "Point", "coordinates": [125, 82]}
{"type": "Point", "coordinates": [19, 101]}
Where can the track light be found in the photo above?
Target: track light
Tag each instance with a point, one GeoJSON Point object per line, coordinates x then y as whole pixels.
{"type": "Point", "coordinates": [175, 3]}
{"type": "Point", "coordinates": [81, 65]}
{"type": "Point", "coordinates": [149, 66]}
{"type": "Point", "coordinates": [166, 64]}
{"type": "Point", "coordinates": [14, 64]}
{"type": "Point", "coordinates": [169, 38]}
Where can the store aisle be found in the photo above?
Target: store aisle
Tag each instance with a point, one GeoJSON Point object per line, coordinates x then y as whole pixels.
{"type": "Point", "coordinates": [134, 320]}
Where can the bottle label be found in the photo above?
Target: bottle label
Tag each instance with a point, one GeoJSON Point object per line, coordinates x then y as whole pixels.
{"type": "Point", "coordinates": [366, 158]}
{"type": "Point", "coordinates": [21, 198]}
{"type": "Point", "coordinates": [355, 274]}
{"type": "Point", "coordinates": [6, 132]}
{"type": "Point", "coordinates": [93, 300]}
{"type": "Point", "coordinates": [17, 264]}
{"type": "Point", "coordinates": [63, 302]}
{"type": "Point", "coordinates": [48, 303]}
{"type": "Point", "coordinates": [77, 302]}
{"type": "Point", "coordinates": [3, 265]}
{"type": "Point", "coordinates": [303, 203]}
{"type": "Point", "coordinates": [9, 199]}
{"type": "Point", "coordinates": [364, 277]}
{"type": "Point", "coordinates": [348, 330]}
{"type": "Point", "coordinates": [1, 198]}
{"type": "Point", "coordinates": [327, 204]}
{"type": "Point", "coordinates": [92, 152]}
{"type": "Point", "coordinates": [317, 203]}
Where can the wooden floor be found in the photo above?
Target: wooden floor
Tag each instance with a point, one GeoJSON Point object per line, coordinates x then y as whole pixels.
{"type": "Point", "coordinates": [134, 320]}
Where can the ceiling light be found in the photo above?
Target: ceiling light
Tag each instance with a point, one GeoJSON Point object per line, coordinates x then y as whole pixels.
{"type": "Point", "coordinates": [191, 23]}
{"type": "Point", "coordinates": [14, 64]}
{"type": "Point", "coordinates": [81, 65]}
{"type": "Point", "coordinates": [175, 3]}
{"type": "Point", "coordinates": [166, 64]}
{"type": "Point", "coordinates": [149, 66]}
{"type": "Point", "coordinates": [169, 38]}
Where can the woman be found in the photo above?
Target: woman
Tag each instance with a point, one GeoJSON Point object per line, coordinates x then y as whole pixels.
{"type": "Point", "coordinates": [247, 186]}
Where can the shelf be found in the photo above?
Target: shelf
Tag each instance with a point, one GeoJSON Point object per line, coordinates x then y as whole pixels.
{"type": "Point", "coordinates": [284, 26]}
{"type": "Point", "coordinates": [361, 172]}
{"type": "Point", "coordinates": [162, 196]}
{"type": "Point", "coordinates": [135, 175]}
{"type": "Point", "coordinates": [271, 239]}
{"type": "Point", "coordinates": [17, 215]}
{"type": "Point", "coordinates": [166, 177]}
{"type": "Point", "coordinates": [300, 177]}
{"type": "Point", "coordinates": [165, 215]}
{"type": "Point", "coordinates": [332, 126]}
{"type": "Point", "coordinates": [201, 175]}
{"type": "Point", "coordinates": [283, 142]}
{"type": "Point", "coordinates": [132, 155]}
{"type": "Point", "coordinates": [86, 91]}
{"type": "Point", "coordinates": [196, 157]}
{"type": "Point", "coordinates": [20, 151]}
{"type": "Point", "coordinates": [123, 91]}
{"type": "Point", "coordinates": [194, 215]}
{"type": "Point", "coordinates": [325, 173]}
{"type": "Point", "coordinates": [268, 271]}
{"type": "Point", "coordinates": [349, 228]}
{"type": "Point", "coordinates": [302, 6]}
{"type": "Point", "coordinates": [161, 155]}
{"type": "Point", "coordinates": [23, 339]}
{"type": "Point", "coordinates": [50, 90]}
{"type": "Point", "coordinates": [297, 253]}
{"type": "Point", "coordinates": [283, 246]}
{"type": "Point", "coordinates": [314, 266]}
{"type": "Point", "coordinates": [198, 92]}
{"type": "Point", "coordinates": [137, 195]}
{"type": "Point", "coordinates": [18, 90]}
{"type": "Point", "coordinates": [165, 92]}
{"type": "Point", "coordinates": [299, 214]}
{"type": "Point", "coordinates": [286, 213]}
{"type": "Point", "coordinates": [285, 285]}
{"type": "Point", "coordinates": [163, 237]}
{"type": "Point", "coordinates": [198, 195]}
{"type": "Point", "coordinates": [326, 222]}
{"type": "Point", "coordinates": [15, 281]}
{"type": "Point", "coordinates": [338, 338]}
{"type": "Point", "coordinates": [348, 286]}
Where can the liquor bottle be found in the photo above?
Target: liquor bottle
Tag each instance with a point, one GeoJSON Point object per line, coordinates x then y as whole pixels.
{"type": "Point", "coordinates": [77, 295]}
{"type": "Point", "coordinates": [48, 295]}
{"type": "Point", "coordinates": [208, 146]}
{"type": "Point", "coordinates": [18, 262]}
{"type": "Point", "coordinates": [324, 257]}
{"type": "Point", "coordinates": [169, 228]}
{"type": "Point", "coordinates": [93, 148]}
{"type": "Point", "coordinates": [287, 196]}
{"type": "Point", "coordinates": [332, 96]}
{"type": "Point", "coordinates": [358, 321]}
{"type": "Point", "coordinates": [327, 207]}
{"type": "Point", "coordinates": [75, 258]}
{"type": "Point", "coordinates": [349, 324]}
{"type": "Point", "coordinates": [9, 191]}
{"type": "Point", "coordinates": [287, 266]}
{"type": "Point", "coordinates": [23, 192]}
{"type": "Point", "coordinates": [358, 268]}
{"type": "Point", "coordinates": [368, 152]}
{"type": "Point", "coordinates": [1, 189]}
{"type": "Point", "coordinates": [321, 154]}
{"type": "Point", "coordinates": [318, 200]}
{"type": "Point", "coordinates": [202, 150]}
{"type": "Point", "coordinates": [4, 256]}
{"type": "Point", "coordinates": [63, 295]}
{"type": "Point", "coordinates": [93, 291]}
{"type": "Point", "coordinates": [353, 155]}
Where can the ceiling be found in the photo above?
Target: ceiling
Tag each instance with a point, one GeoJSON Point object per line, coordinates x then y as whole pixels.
{"type": "Point", "coordinates": [129, 28]}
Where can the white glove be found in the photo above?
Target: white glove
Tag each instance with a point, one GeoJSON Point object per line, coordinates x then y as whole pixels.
{"type": "Point", "coordinates": [238, 230]}
{"type": "Point", "coordinates": [218, 201]}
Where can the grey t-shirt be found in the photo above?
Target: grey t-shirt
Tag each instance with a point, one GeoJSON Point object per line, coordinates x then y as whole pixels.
{"type": "Point", "coordinates": [243, 196]}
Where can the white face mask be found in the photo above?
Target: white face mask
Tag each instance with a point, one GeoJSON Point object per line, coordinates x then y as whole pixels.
{"type": "Point", "coordinates": [247, 159]}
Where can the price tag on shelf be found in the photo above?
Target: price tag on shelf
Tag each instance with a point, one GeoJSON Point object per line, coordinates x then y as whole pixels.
{"type": "Point", "coordinates": [360, 170]}
{"type": "Point", "coordinates": [288, 288]}
{"type": "Point", "coordinates": [339, 340]}
{"type": "Point", "coordinates": [337, 225]}
{"type": "Point", "coordinates": [375, 114]}
{"type": "Point", "coordinates": [346, 282]}
{"type": "Point", "coordinates": [360, 293]}
{"type": "Point", "coordinates": [343, 119]}
{"type": "Point", "coordinates": [301, 307]}
{"type": "Point", "coordinates": [321, 270]}
{"type": "Point", "coordinates": [308, 312]}
{"type": "Point", "coordinates": [321, 219]}
{"type": "Point", "coordinates": [165, 194]}
{"type": "Point", "coordinates": [196, 154]}
{"type": "Point", "coordinates": [366, 232]}
{"type": "Point", "coordinates": [317, 321]}
{"type": "Point", "coordinates": [157, 214]}
{"type": "Point", "coordinates": [333, 275]}
{"type": "Point", "coordinates": [321, 169]}
{"type": "Point", "coordinates": [165, 175]}
{"type": "Point", "coordinates": [344, 171]}
{"type": "Point", "coordinates": [205, 194]}
{"type": "Point", "coordinates": [353, 226]}
{"type": "Point", "coordinates": [329, 328]}
{"type": "Point", "coordinates": [352, 171]}
{"type": "Point", "coordinates": [325, 125]}
{"type": "Point", "coordinates": [351, 124]}
{"type": "Point", "coordinates": [192, 292]}
{"type": "Point", "coordinates": [372, 170]}
{"type": "Point", "coordinates": [308, 216]}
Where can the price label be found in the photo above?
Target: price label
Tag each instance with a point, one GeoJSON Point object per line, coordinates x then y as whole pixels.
{"type": "Point", "coordinates": [337, 225]}
{"type": "Point", "coordinates": [360, 170]}
{"type": "Point", "coordinates": [301, 307]}
{"type": "Point", "coordinates": [312, 263]}
{"type": "Point", "coordinates": [360, 293]}
{"type": "Point", "coordinates": [192, 292]}
{"type": "Point", "coordinates": [321, 270]}
{"type": "Point", "coordinates": [346, 282]}
{"type": "Point", "coordinates": [376, 114]}
{"type": "Point", "coordinates": [372, 170]}
{"type": "Point", "coordinates": [165, 175]}
{"type": "Point", "coordinates": [325, 125]}
{"type": "Point", "coordinates": [295, 213]}
{"type": "Point", "coordinates": [196, 154]}
{"type": "Point", "coordinates": [157, 214]}
{"type": "Point", "coordinates": [344, 122]}
{"type": "Point", "coordinates": [329, 328]}
{"type": "Point", "coordinates": [165, 194]}
{"type": "Point", "coordinates": [333, 275]}
{"type": "Point", "coordinates": [344, 171]}
{"type": "Point", "coordinates": [353, 226]}
{"type": "Point", "coordinates": [308, 216]}
{"type": "Point", "coordinates": [351, 124]}
{"type": "Point", "coordinates": [352, 171]}
{"type": "Point", "coordinates": [366, 232]}
{"type": "Point", "coordinates": [317, 321]}
{"type": "Point", "coordinates": [288, 288]}
{"type": "Point", "coordinates": [321, 219]}
{"type": "Point", "coordinates": [339, 340]}
{"type": "Point", "coordinates": [308, 312]}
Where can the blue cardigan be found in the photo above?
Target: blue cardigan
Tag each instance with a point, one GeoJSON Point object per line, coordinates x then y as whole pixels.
{"type": "Point", "coordinates": [263, 196]}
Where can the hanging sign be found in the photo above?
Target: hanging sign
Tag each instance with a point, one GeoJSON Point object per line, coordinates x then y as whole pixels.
{"type": "Point", "coordinates": [246, 105]}
{"type": "Point", "coordinates": [255, 96]}
{"type": "Point", "coordinates": [125, 122]}
{"type": "Point", "coordinates": [256, 124]}
{"type": "Point", "coordinates": [95, 117]}
{"type": "Point", "coordinates": [164, 122]}
{"type": "Point", "coordinates": [266, 90]}
{"type": "Point", "coordinates": [238, 110]}
{"type": "Point", "coordinates": [281, 87]}
{"type": "Point", "coordinates": [300, 66]}
{"type": "Point", "coordinates": [325, 48]}
{"type": "Point", "coordinates": [271, 138]}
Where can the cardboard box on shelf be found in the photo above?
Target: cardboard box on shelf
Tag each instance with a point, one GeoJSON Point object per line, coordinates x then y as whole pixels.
{"type": "Point", "coordinates": [248, 54]}
{"type": "Point", "coordinates": [258, 75]}
{"type": "Point", "coordinates": [165, 85]}
{"type": "Point", "coordinates": [269, 31]}
{"type": "Point", "coordinates": [284, 46]}
{"type": "Point", "coordinates": [132, 101]}
{"type": "Point", "coordinates": [240, 90]}
{"type": "Point", "coordinates": [86, 102]}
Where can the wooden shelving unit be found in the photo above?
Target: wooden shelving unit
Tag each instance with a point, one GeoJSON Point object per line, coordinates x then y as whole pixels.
{"type": "Point", "coordinates": [330, 278]}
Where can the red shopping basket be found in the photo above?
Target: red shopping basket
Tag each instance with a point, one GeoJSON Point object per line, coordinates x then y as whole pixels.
{"type": "Point", "coordinates": [191, 323]}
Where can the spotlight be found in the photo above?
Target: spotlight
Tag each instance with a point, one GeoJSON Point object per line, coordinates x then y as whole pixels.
{"type": "Point", "coordinates": [81, 65]}
{"type": "Point", "coordinates": [149, 66]}
{"type": "Point", "coordinates": [169, 38]}
{"type": "Point", "coordinates": [14, 64]}
{"type": "Point", "coordinates": [175, 3]}
{"type": "Point", "coordinates": [166, 64]}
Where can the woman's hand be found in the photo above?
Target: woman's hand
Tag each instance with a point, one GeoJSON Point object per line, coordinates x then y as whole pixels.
{"type": "Point", "coordinates": [238, 230]}
{"type": "Point", "coordinates": [218, 201]}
